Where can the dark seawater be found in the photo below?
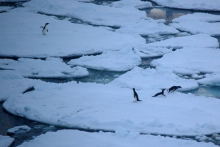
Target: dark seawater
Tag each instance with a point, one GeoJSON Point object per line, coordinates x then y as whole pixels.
{"type": "Point", "coordinates": [8, 121]}
{"type": "Point", "coordinates": [207, 91]}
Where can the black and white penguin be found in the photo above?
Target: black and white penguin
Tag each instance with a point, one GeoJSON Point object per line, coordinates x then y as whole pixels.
{"type": "Point", "coordinates": [44, 30]}
{"type": "Point", "coordinates": [136, 95]}
{"type": "Point", "coordinates": [160, 93]}
{"type": "Point", "coordinates": [173, 88]}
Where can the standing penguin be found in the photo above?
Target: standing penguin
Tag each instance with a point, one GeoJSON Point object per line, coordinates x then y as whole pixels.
{"type": "Point", "coordinates": [136, 95]}
{"type": "Point", "coordinates": [45, 30]}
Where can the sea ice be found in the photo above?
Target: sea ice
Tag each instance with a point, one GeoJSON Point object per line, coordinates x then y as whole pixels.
{"type": "Point", "coordinates": [198, 23]}
{"type": "Point", "coordinates": [13, 83]}
{"type": "Point", "coordinates": [153, 80]}
{"type": "Point", "coordinates": [108, 107]}
{"type": "Point", "coordinates": [129, 19]}
{"type": "Point", "coordinates": [19, 129]}
{"type": "Point", "coordinates": [82, 139]}
{"type": "Point", "coordinates": [63, 39]}
{"type": "Point", "coordinates": [4, 8]}
{"type": "Point", "coordinates": [200, 40]}
{"type": "Point", "coordinates": [122, 60]}
{"type": "Point", "coordinates": [5, 141]}
{"type": "Point", "coordinates": [188, 61]}
{"type": "Point", "coordinates": [209, 5]}
{"type": "Point", "coordinates": [49, 68]}
{"type": "Point", "coordinates": [210, 79]}
{"type": "Point", "coordinates": [131, 3]}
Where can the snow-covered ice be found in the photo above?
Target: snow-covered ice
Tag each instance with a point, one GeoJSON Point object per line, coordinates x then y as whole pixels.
{"type": "Point", "coordinates": [125, 139]}
{"type": "Point", "coordinates": [4, 8]}
{"type": "Point", "coordinates": [200, 40]}
{"type": "Point", "coordinates": [188, 61]}
{"type": "Point", "coordinates": [5, 141]}
{"type": "Point", "coordinates": [153, 80]}
{"type": "Point", "coordinates": [13, 83]}
{"type": "Point", "coordinates": [210, 5]}
{"type": "Point", "coordinates": [210, 79]}
{"type": "Point", "coordinates": [122, 60]}
{"type": "Point", "coordinates": [63, 39]}
{"type": "Point", "coordinates": [132, 3]}
{"type": "Point", "coordinates": [198, 23]}
{"type": "Point", "coordinates": [19, 129]}
{"type": "Point", "coordinates": [109, 107]}
{"type": "Point", "coordinates": [49, 68]}
{"type": "Point", "coordinates": [129, 19]}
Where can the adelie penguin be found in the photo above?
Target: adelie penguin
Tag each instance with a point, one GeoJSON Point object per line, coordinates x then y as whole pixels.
{"type": "Point", "coordinates": [173, 88]}
{"type": "Point", "coordinates": [44, 30]}
{"type": "Point", "coordinates": [136, 95]}
{"type": "Point", "coordinates": [160, 93]}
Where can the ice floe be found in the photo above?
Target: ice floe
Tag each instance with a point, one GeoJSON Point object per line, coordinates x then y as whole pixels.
{"type": "Point", "coordinates": [64, 38]}
{"type": "Point", "coordinates": [209, 5]}
{"type": "Point", "coordinates": [210, 79]}
{"type": "Point", "coordinates": [122, 60]}
{"type": "Point", "coordinates": [132, 3]}
{"type": "Point", "coordinates": [200, 40]}
{"type": "Point", "coordinates": [188, 61]}
{"type": "Point", "coordinates": [129, 19]}
{"type": "Point", "coordinates": [125, 139]}
{"type": "Point", "coordinates": [5, 141]}
{"type": "Point", "coordinates": [109, 107]}
{"type": "Point", "coordinates": [153, 79]}
{"type": "Point", "coordinates": [13, 83]}
{"type": "Point", "coordinates": [198, 23]}
{"type": "Point", "coordinates": [5, 8]}
{"type": "Point", "coordinates": [19, 129]}
{"type": "Point", "coordinates": [49, 68]}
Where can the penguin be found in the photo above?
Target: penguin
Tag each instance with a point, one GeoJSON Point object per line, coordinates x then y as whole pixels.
{"type": "Point", "coordinates": [136, 95]}
{"type": "Point", "coordinates": [173, 88]}
{"type": "Point", "coordinates": [44, 30]}
{"type": "Point", "coordinates": [160, 93]}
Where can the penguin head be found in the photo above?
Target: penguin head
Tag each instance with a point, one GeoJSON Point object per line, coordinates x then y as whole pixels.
{"type": "Point", "coordinates": [179, 87]}
{"type": "Point", "coordinates": [133, 89]}
{"type": "Point", "coordinates": [46, 24]}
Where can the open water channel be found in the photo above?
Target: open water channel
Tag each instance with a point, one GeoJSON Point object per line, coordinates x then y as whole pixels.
{"type": "Point", "coordinates": [8, 121]}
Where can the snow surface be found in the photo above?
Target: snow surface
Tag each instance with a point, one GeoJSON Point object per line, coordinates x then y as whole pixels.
{"type": "Point", "coordinates": [132, 3]}
{"type": "Point", "coordinates": [122, 60]}
{"type": "Point", "coordinates": [13, 83]}
{"type": "Point", "coordinates": [210, 79]}
{"type": "Point", "coordinates": [63, 39]}
{"type": "Point", "coordinates": [49, 68]}
{"type": "Point", "coordinates": [121, 139]}
{"type": "Point", "coordinates": [109, 107]}
{"type": "Point", "coordinates": [5, 141]}
{"type": "Point", "coordinates": [129, 19]}
{"type": "Point", "coordinates": [19, 129]}
{"type": "Point", "coordinates": [200, 40]}
{"type": "Point", "coordinates": [210, 5]}
{"type": "Point", "coordinates": [153, 79]}
{"type": "Point", "coordinates": [4, 8]}
{"type": "Point", "coordinates": [198, 23]}
{"type": "Point", "coordinates": [183, 61]}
